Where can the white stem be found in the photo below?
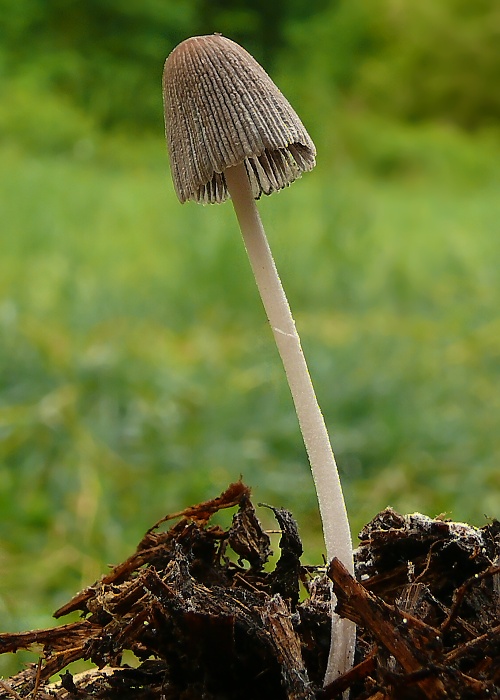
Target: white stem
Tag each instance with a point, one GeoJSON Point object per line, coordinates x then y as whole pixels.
{"type": "Point", "coordinates": [317, 442]}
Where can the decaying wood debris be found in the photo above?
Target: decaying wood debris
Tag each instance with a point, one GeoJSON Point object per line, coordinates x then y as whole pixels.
{"type": "Point", "coordinates": [207, 616]}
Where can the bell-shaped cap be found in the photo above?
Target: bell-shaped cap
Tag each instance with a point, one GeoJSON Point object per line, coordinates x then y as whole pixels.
{"type": "Point", "coordinates": [222, 109]}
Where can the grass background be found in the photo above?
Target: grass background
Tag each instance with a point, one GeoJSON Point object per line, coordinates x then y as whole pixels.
{"type": "Point", "coordinates": [137, 373]}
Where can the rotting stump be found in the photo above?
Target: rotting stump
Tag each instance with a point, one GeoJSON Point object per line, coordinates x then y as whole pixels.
{"type": "Point", "coordinates": [207, 616]}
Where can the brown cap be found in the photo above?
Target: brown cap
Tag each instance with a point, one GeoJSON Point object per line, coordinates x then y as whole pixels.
{"type": "Point", "coordinates": [222, 109]}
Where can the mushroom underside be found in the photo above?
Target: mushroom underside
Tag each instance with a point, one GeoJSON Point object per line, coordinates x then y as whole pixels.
{"type": "Point", "coordinates": [269, 172]}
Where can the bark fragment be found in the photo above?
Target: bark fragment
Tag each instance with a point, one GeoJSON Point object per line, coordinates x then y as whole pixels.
{"type": "Point", "coordinates": [206, 615]}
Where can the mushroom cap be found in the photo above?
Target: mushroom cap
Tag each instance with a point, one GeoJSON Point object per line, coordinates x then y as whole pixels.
{"type": "Point", "coordinates": [222, 109]}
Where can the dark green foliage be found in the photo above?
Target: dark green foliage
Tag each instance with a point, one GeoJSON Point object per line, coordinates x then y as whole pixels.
{"type": "Point", "coordinates": [106, 55]}
{"type": "Point", "coordinates": [436, 60]}
{"type": "Point", "coordinates": [416, 61]}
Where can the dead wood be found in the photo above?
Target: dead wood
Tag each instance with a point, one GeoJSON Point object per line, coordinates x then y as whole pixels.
{"type": "Point", "coordinates": [207, 616]}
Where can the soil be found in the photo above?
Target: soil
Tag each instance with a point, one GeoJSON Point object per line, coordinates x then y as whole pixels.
{"type": "Point", "coordinates": [207, 616]}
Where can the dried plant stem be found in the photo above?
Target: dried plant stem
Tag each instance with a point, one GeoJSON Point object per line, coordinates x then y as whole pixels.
{"type": "Point", "coordinates": [317, 442]}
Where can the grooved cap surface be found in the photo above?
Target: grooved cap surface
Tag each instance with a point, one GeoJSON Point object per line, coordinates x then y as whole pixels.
{"type": "Point", "coordinates": [222, 109]}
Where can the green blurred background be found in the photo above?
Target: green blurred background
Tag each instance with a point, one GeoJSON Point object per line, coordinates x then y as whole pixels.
{"type": "Point", "coordinates": [137, 373]}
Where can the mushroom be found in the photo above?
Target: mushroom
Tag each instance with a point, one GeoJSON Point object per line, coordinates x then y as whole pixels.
{"type": "Point", "coordinates": [231, 133]}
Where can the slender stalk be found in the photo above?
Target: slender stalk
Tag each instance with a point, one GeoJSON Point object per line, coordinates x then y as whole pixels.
{"type": "Point", "coordinates": [317, 442]}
